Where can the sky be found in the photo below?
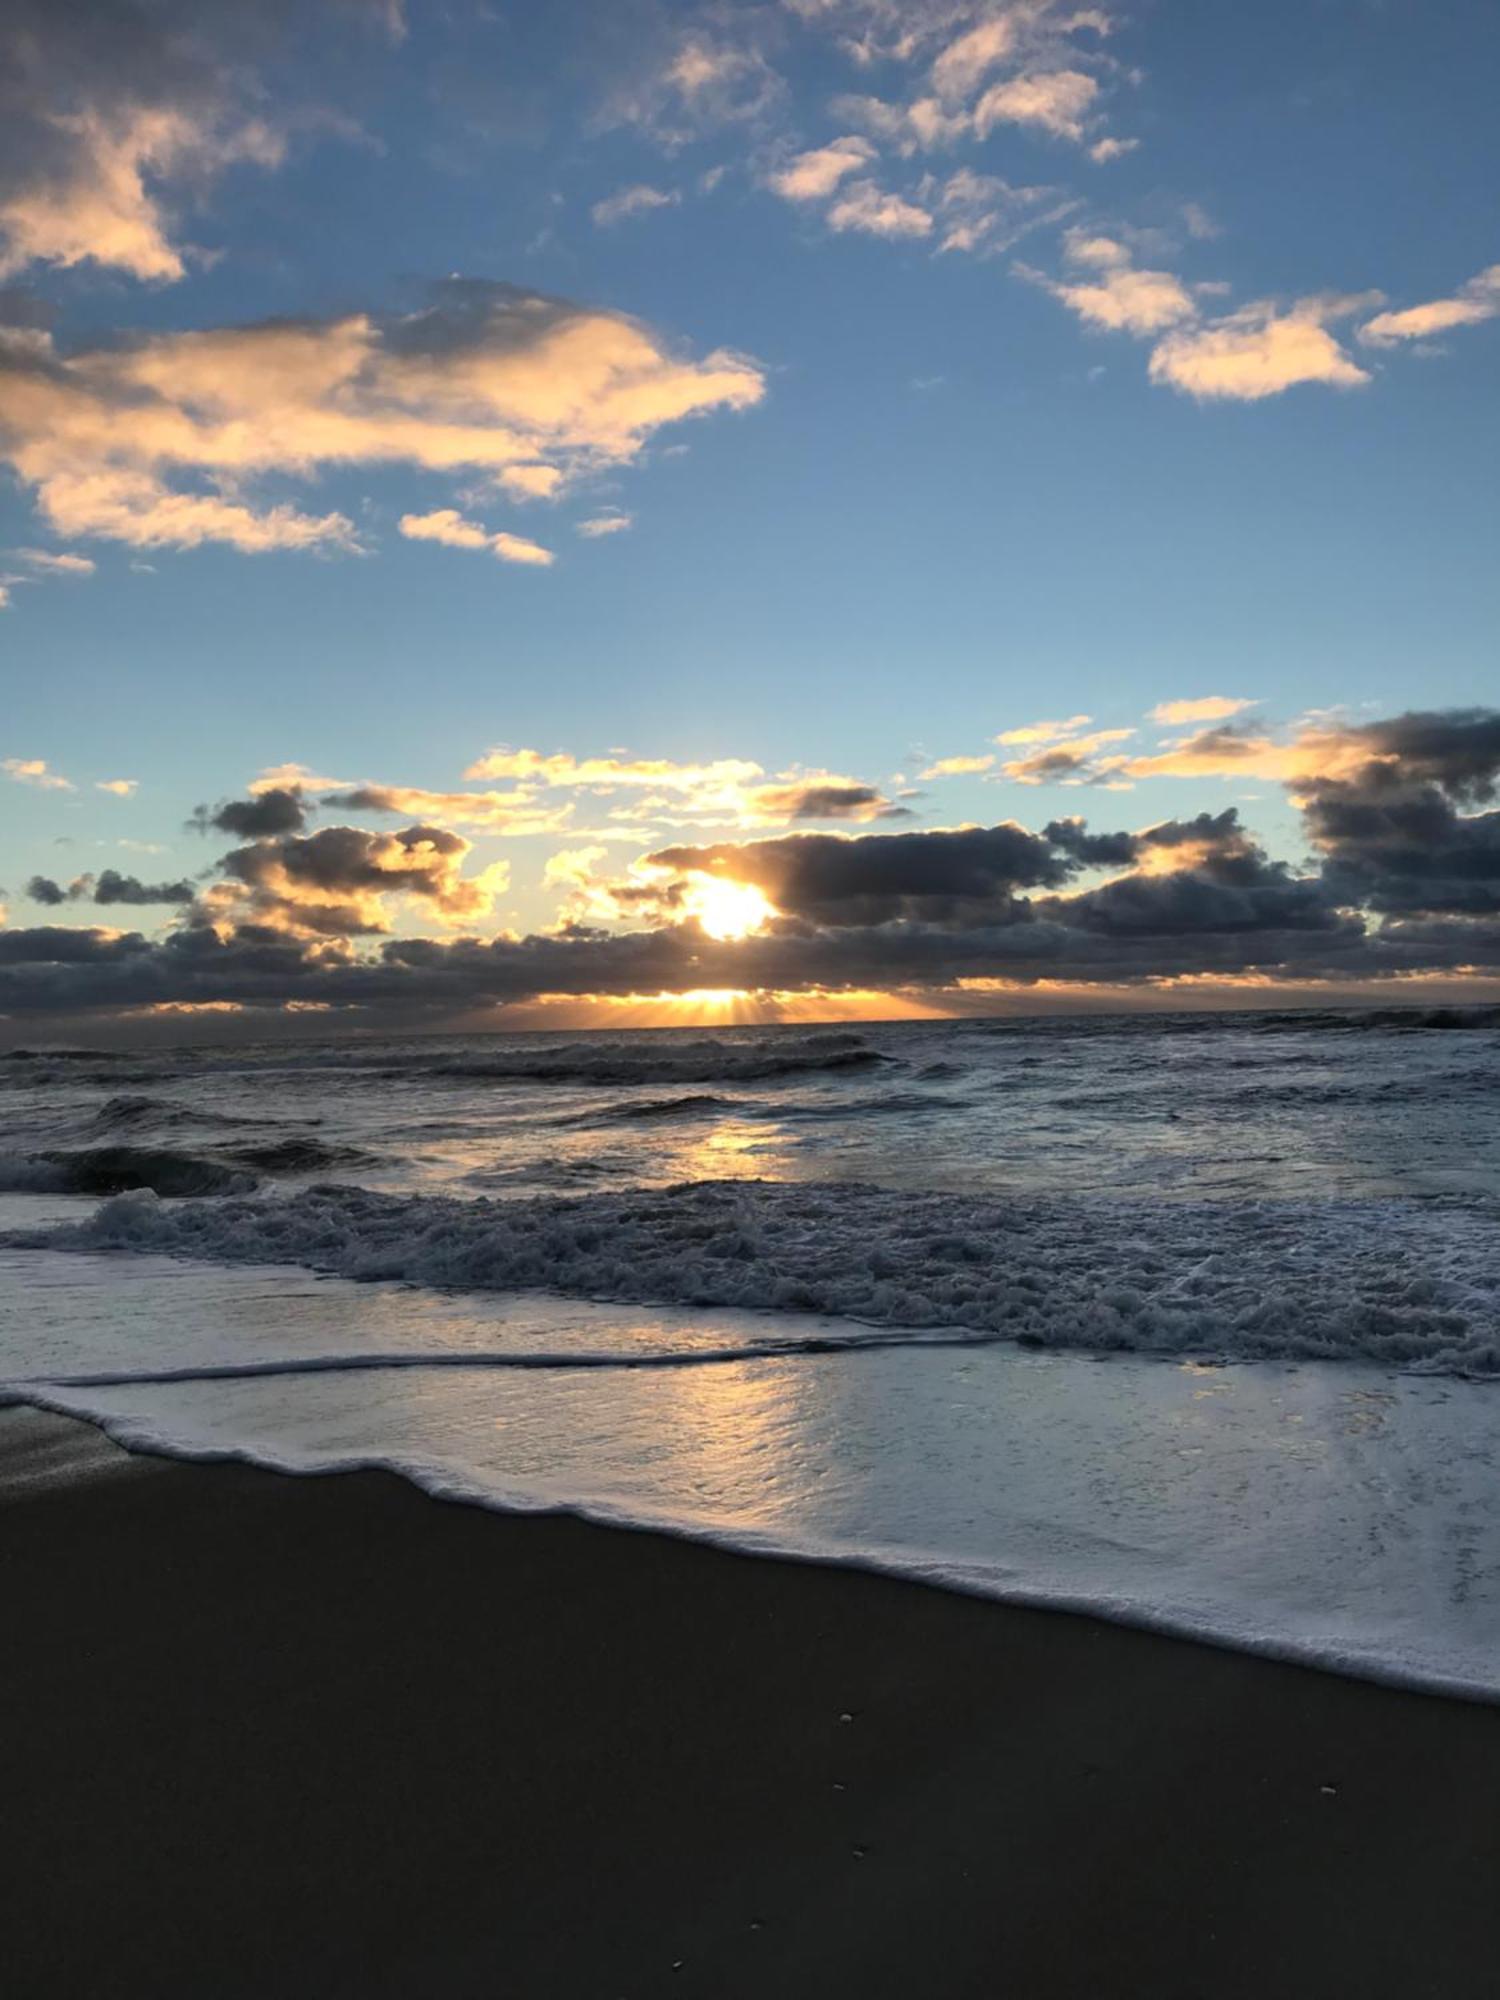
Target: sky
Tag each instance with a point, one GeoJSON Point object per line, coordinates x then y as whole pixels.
{"type": "Point", "coordinates": [633, 512]}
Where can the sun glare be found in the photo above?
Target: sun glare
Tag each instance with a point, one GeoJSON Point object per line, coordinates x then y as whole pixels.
{"type": "Point", "coordinates": [726, 910]}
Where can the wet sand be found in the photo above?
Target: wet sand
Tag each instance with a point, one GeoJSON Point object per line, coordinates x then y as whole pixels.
{"type": "Point", "coordinates": [327, 1737]}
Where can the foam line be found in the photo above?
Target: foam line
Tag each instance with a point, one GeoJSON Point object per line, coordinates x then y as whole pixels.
{"type": "Point", "coordinates": [19, 1388]}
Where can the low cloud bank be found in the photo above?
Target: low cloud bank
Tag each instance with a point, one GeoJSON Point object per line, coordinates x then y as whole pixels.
{"type": "Point", "coordinates": [1405, 881]}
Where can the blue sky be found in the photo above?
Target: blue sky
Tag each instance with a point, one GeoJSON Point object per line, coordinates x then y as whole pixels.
{"type": "Point", "coordinates": [1045, 365]}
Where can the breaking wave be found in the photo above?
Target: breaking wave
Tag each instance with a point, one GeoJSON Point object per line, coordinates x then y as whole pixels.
{"type": "Point", "coordinates": [1400, 1284]}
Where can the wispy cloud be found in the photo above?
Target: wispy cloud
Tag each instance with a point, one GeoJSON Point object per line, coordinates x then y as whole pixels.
{"type": "Point", "coordinates": [1057, 101]}
{"type": "Point", "coordinates": [1115, 295]}
{"type": "Point", "coordinates": [1044, 732]}
{"type": "Point", "coordinates": [50, 562]}
{"type": "Point", "coordinates": [629, 201]}
{"type": "Point", "coordinates": [1067, 760]}
{"type": "Point", "coordinates": [1470, 305]}
{"type": "Point", "coordinates": [864, 207]}
{"type": "Point", "coordinates": [815, 175]}
{"type": "Point", "coordinates": [448, 526]}
{"type": "Point", "coordinates": [612, 523]}
{"type": "Point", "coordinates": [957, 767]}
{"type": "Point", "coordinates": [730, 791]}
{"type": "Point", "coordinates": [35, 771]}
{"type": "Point", "coordinates": [1205, 708]}
{"type": "Point", "coordinates": [120, 788]}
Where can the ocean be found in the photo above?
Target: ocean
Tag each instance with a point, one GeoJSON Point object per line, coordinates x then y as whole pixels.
{"type": "Point", "coordinates": [1191, 1321]}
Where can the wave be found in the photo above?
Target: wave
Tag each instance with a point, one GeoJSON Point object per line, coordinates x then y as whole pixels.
{"type": "Point", "coordinates": [299, 1155]}
{"type": "Point", "coordinates": [702, 1061]}
{"type": "Point", "coordinates": [59, 1055]}
{"type": "Point", "coordinates": [130, 1112]}
{"type": "Point", "coordinates": [699, 1104]}
{"type": "Point", "coordinates": [115, 1170]}
{"type": "Point", "coordinates": [1402, 1284]}
{"type": "Point", "coordinates": [704, 1104]}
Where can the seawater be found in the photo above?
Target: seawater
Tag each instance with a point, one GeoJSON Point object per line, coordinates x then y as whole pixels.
{"type": "Point", "coordinates": [1186, 1321]}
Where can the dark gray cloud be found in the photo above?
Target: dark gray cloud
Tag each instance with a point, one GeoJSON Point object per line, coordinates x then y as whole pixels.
{"type": "Point", "coordinates": [822, 800]}
{"type": "Point", "coordinates": [111, 887]}
{"type": "Point", "coordinates": [108, 887]}
{"type": "Point", "coordinates": [1091, 850]}
{"type": "Point", "coordinates": [1391, 832]}
{"type": "Point", "coordinates": [965, 877]}
{"type": "Point", "coordinates": [283, 809]}
{"type": "Point", "coordinates": [1406, 884]}
{"type": "Point", "coordinates": [333, 882]}
{"type": "Point", "coordinates": [76, 972]}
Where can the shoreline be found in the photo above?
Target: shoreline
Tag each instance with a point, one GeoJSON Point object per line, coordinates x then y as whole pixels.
{"type": "Point", "coordinates": [332, 1736]}
{"type": "Point", "coordinates": [136, 1440]}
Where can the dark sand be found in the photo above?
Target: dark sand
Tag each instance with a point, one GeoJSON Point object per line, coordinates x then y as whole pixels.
{"type": "Point", "coordinates": [326, 1737]}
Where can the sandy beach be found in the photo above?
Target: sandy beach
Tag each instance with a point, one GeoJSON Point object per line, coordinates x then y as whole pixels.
{"type": "Point", "coordinates": [329, 1737]}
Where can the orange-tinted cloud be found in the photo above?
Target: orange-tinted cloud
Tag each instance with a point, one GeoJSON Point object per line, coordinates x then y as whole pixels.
{"type": "Point", "coordinates": [158, 442]}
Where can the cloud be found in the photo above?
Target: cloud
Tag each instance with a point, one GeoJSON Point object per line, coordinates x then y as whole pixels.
{"type": "Point", "coordinates": [629, 201]}
{"type": "Point", "coordinates": [52, 563]}
{"type": "Point", "coordinates": [701, 78]}
{"type": "Point", "coordinates": [1044, 732]}
{"type": "Point", "coordinates": [1258, 351]}
{"type": "Point", "coordinates": [1067, 760]}
{"type": "Point", "coordinates": [35, 771]}
{"type": "Point", "coordinates": [968, 876]}
{"type": "Point", "coordinates": [336, 882]}
{"type": "Point", "coordinates": [957, 767]}
{"type": "Point", "coordinates": [822, 795]}
{"type": "Point", "coordinates": [864, 207]}
{"type": "Point", "coordinates": [113, 113]}
{"type": "Point", "coordinates": [1470, 305]}
{"type": "Point", "coordinates": [1407, 885]}
{"type": "Point", "coordinates": [1244, 355]}
{"type": "Point", "coordinates": [614, 523]}
{"type": "Point", "coordinates": [1104, 150]}
{"type": "Point", "coordinates": [516, 813]}
{"type": "Point", "coordinates": [1223, 752]}
{"type": "Point", "coordinates": [969, 57]}
{"type": "Point", "coordinates": [1207, 708]}
{"type": "Point", "coordinates": [729, 791]}
{"type": "Point", "coordinates": [108, 887]}
{"type": "Point", "coordinates": [1387, 817]}
{"type": "Point", "coordinates": [923, 126]}
{"type": "Point", "coordinates": [1118, 297]}
{"type": "Point", "coordinates": [449, 527]}
{"type": "Point", "coordinates": [275, 810]}
{"type": "Point", "coordinates": [982, 214]}
{"type": "Point", "coordinates": [815, 175]}
{"type": "Point", "coordinates": [1056, 101]}
{"type": "Point", "coordinates": [533, 767]}
{"type": "Point", "coordinates": [100, 107]}
{"type": "Point", "coordinates": [120, 788]}
{"type": "Point", "coordinates": [161, 440]}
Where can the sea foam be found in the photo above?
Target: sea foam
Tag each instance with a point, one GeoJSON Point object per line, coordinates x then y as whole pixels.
{"type": "Point", "coordinates": [1407, 1285]}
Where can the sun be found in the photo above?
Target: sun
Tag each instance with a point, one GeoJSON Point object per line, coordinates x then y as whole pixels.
{"type": "Point", "coordinates": [726, 910]}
